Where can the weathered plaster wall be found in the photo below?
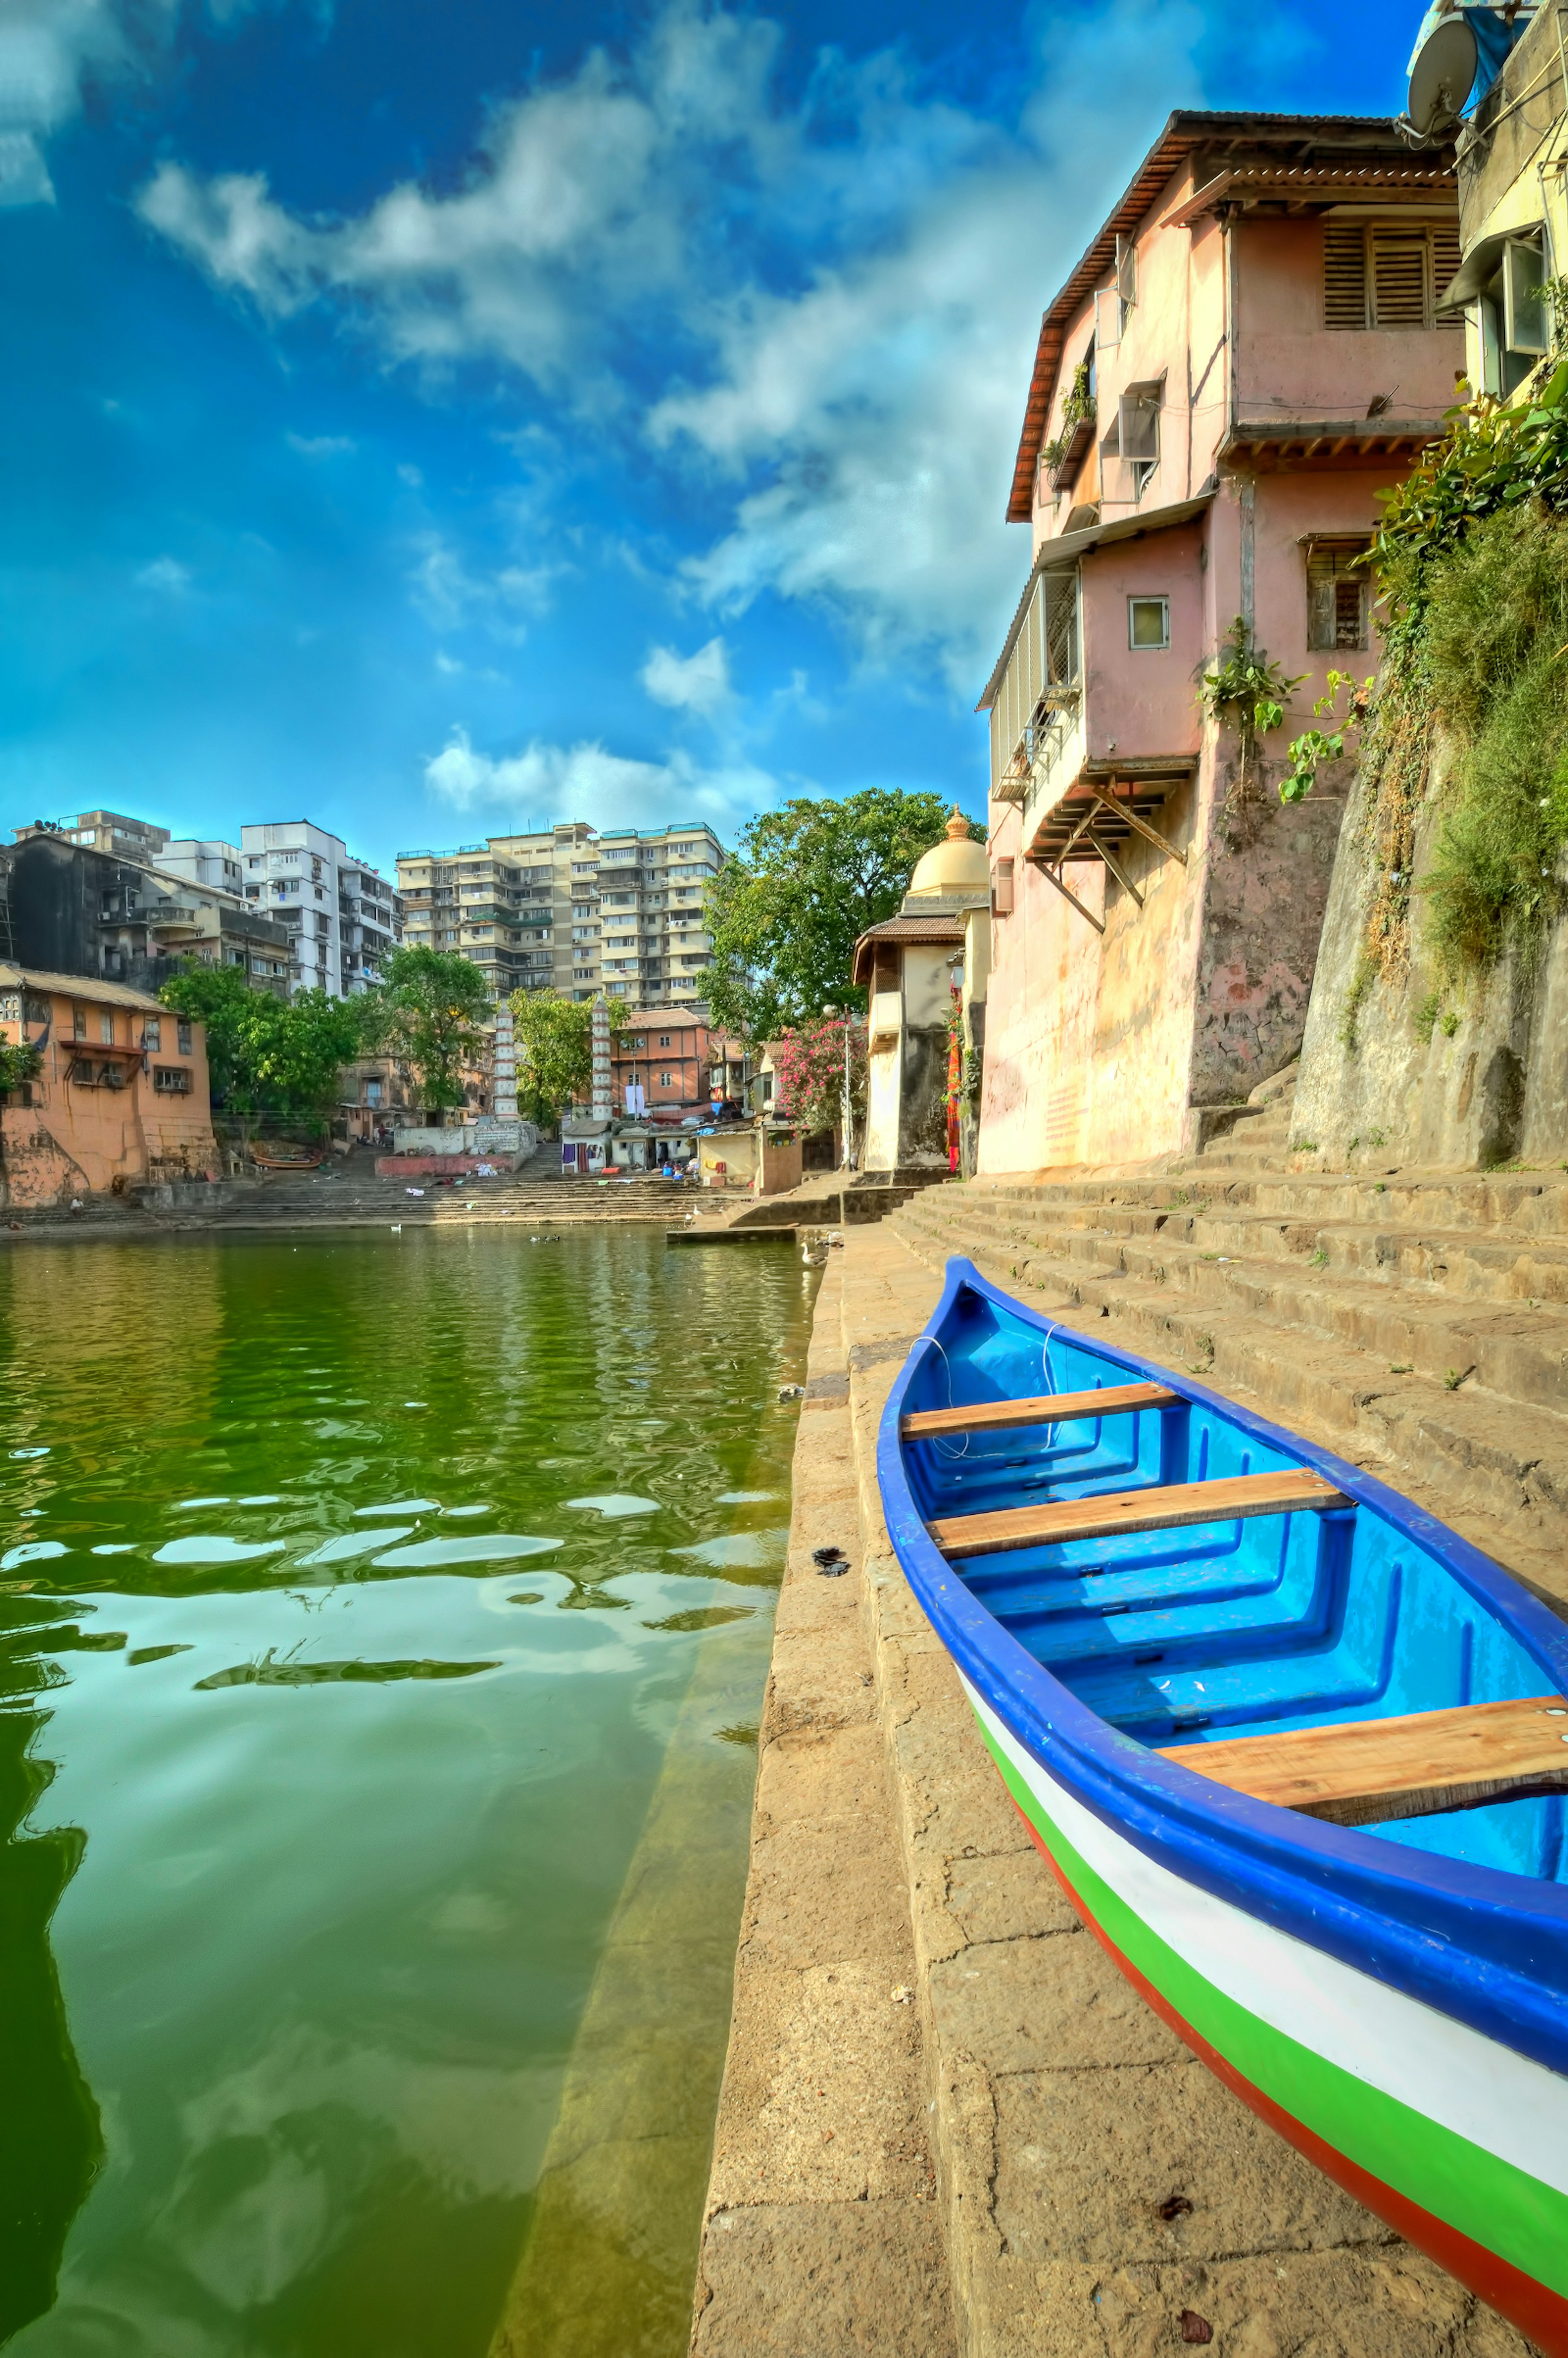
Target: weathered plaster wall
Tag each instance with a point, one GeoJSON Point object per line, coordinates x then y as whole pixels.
{"type": "Point", "coordinates": [1141, 701]}
{"type": "Point", "coordinates": [883, 1076]}
{"type": "Point", "coordinates": [1288, 362]}
{"type": "Point", "coordinates": [1488, 1086]}
{"type": "Point", "coordinates": [1266, 890]}
{"type": "Point", "coordinates": [1089, 1036]}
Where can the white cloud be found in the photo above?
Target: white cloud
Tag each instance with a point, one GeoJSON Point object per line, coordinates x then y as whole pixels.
{"type": "Point", "coordinates": [539, 785]}
{"type": "Point", "coordinates": [320, 445]}
{"type": "Point", "coordinates": [824, 307]}
{"type": "Point", "coordinates": [698, 683]}
{"type": "Point", "coordinates": [166, 574]}
{"type": "Point", "coordinates": [451, 597]}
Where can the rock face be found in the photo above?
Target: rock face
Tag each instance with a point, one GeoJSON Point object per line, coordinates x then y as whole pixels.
{"type": "Point", "coordinates": [1441, 1080]}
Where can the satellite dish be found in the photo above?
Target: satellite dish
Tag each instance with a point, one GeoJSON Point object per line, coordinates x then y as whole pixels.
{"type": "Point", "coordinates": [1442, 71]}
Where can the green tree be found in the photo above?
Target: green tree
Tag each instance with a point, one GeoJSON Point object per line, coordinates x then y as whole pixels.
{"type": "Point", "coordinates": [266, 1055]}
{"type": "Point", "coordinates": [428, 1013]}
{"type": "Point", "coordinates": [221, 999]}
{"type": "Point", "coordinates": [555, 1051]}
{"type": "Point", "coordinates": [806, 882]}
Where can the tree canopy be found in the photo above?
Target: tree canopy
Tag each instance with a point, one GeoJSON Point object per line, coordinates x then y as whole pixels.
{"type": "Point", "coordinates": [266, 1055]}
{"type": "Point", "coordinates": [428, 1013]}
{"type": "Point", "coordinates": [555, 1050]}
{"type": "Point", "coordinates": [805, 883]}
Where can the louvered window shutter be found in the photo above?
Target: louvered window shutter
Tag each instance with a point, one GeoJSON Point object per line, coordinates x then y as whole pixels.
{"type": "Point", "coordinates": [1445, 260]}
{"type": "Point", "coordinates": [1337, 597]}
{"type": "Point", "coordinates": [1344, 274]}
{"type": "Point", "coordinates": [1399, 292]}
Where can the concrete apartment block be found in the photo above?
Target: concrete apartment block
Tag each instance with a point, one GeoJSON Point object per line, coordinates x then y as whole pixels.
{"type": "Point", "coordinates": [569, 910]}
{"type": "Point", "coordinates": [343, 918]}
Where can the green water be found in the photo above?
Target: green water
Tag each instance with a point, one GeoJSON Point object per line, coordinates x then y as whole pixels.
{"type": "Point", "coordinates": [314, 1820]}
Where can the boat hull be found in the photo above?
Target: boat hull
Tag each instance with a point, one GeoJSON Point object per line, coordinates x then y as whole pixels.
{"type": "Point", "coordinates": [1441, 2132]}
{"type": "Point", "coordinates": [1400, 2018]}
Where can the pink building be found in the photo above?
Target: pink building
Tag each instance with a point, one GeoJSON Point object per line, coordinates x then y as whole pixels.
{"type": "Point", "coordinates": [1247, 350]}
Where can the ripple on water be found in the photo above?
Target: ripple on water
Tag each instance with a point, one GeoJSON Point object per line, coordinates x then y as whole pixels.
{"type": "Point", "coordinates": [403, 1507]}
{"type": "Point", "coordinates": [354, 1543]}
{"type": "Point", "coordinates": [496, 1547]}
{"type": "Point", "coordinates": [613, 1504]}
{"type": "Point", "coordinates": [745, 1497]}
{"type": "Point", "coordinates": [214, 1547]}
{"type": "Point", "coordinates": [32, 1551]}
{"type": "Point", "coordinates": [737, 1550]}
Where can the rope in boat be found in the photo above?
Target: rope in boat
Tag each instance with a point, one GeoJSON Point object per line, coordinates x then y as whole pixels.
{"type": "Point", "coordinates": [946, 1449]}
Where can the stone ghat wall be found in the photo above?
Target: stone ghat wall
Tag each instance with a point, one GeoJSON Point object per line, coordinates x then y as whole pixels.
{"type": "Point", "coordinates": [1466, 1079]}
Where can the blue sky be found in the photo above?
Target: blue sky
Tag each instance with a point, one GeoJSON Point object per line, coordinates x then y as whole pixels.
{"type": "Point", "coordinates": [428, 416]}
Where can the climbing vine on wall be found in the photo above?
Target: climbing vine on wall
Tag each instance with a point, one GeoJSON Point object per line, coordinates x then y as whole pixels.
{"type": "Point", "coordinates": [1471, 558]}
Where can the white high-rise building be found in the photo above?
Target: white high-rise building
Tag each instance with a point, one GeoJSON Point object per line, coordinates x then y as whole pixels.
{"type": "Point", "coordinates": [343, 916]}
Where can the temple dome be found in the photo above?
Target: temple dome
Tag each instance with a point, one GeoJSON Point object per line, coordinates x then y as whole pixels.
{"type": "Point", "coordinates": [957, 865]}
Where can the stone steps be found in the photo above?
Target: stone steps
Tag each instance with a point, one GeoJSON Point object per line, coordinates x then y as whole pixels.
{"type": "Point", "coordinates": [1312, 1317]}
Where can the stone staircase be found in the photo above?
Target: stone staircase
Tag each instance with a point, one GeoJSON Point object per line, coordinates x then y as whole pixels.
{"type": "Point", "coordinates": [348, 1193]}
{"type": "Point", "coordinates": [1415, 1322]}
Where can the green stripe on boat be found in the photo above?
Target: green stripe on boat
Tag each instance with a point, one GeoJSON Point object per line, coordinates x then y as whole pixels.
{"type": "Point", "coordinates": [1476, 2193]}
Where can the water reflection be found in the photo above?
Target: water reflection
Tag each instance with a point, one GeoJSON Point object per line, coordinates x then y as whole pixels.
{"type": "Point", "coordinates": [50, 2141]}
{"type": "Point", "coordinates": [341, 1813]}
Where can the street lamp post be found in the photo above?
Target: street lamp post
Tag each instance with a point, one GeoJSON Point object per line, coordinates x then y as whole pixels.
{"type": "Point", "coordinates": [848, 1157]}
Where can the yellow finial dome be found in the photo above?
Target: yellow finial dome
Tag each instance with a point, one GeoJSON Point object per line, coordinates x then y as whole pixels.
{"type": "Point", "coordinates": [956, 865]}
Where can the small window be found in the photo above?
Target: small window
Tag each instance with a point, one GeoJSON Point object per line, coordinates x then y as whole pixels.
{"type": "Point", "coordinates": [663, 1039]}
{"type": "Point", "coordinates": [152, 1033]}
{"type": "Point", "coordinates": [1338, 597]}
{"type": "Point", "coordinates": [78, 1023]}
{"type": "Point", "coordinates": [1001, 889]}
{"type": "Point", "coordinates": [171, 1080]}
{"type": "Point", "coordinates": [34, 1008]}
{"type": "Point", "coordinates": [1148, 623]}
{"type": "Point", "coordinates": [666, 1080]}
{"type": "Point", "coordinates": [184, 1037]}
{"type": "Point", "coordinates": [106, 1028]}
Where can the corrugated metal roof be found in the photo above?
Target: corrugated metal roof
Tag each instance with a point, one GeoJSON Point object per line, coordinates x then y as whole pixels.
{"type": "Point", "coordinates": [1183, 132]}
{"type": "Point", "coordinates": [78, 986]}
{"type": "Point", "coordinates": [934, 932]}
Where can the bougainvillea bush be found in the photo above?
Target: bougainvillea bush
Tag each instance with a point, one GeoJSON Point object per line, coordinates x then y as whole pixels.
{"type": "Point", "coordinates": [808, 1073]}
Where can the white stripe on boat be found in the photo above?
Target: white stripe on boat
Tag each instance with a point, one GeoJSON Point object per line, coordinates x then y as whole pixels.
{"type": "Point", "coordinates": [1483, 2091]}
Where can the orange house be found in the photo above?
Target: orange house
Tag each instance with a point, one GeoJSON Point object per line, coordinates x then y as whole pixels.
{"type": "Point", "coordinates": [122, 1097]}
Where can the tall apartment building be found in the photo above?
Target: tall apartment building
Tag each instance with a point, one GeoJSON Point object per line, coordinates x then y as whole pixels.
{"type": "Point", "coordinates": [568, 910]}
{"type": "Point", "coordinates": [343, 918]}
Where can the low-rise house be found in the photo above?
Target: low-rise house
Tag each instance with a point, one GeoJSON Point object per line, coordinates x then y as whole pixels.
{"type": "Point", "coordinates": [915, 969]}
{"type": "Point", "coordinates": [1251, 346]}
{"type": "Point", "coordinates": [121, 1096]}
{"type": "Point", "coordinates": [668, 1054]}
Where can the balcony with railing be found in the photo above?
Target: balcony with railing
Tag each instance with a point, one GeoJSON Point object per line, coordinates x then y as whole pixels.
{"type": "Point", "coordinates": [1036, 692]}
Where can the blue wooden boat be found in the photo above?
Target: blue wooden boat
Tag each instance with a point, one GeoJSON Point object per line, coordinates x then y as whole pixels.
{"type": "Point", "coordinates": [1296, 1752]}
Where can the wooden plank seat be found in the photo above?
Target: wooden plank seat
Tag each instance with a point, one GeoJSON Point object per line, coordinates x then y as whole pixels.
{"type": "Point", "coordinates": [1049, 1408]}
{"type": "Point", "coordinates": [1371, 1771]}
{"type": "Point", "coordinates": [1117, 1513]}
